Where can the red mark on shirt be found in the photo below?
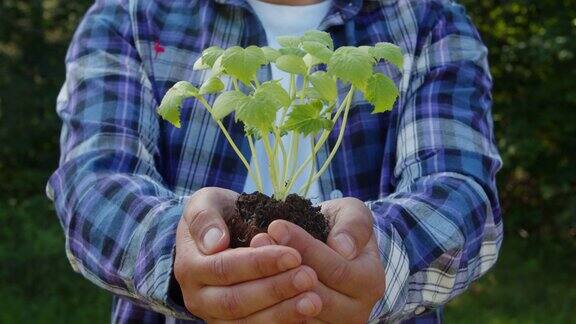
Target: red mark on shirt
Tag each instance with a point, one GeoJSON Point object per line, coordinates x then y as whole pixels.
{"type": "Point", "coordinates": [158, 48]}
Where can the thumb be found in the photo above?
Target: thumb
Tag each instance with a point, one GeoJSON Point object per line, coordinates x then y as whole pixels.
{"type": "Point", "coordinates": [352, 226]}
{"type": "Point", "coordinates": [205, 214]}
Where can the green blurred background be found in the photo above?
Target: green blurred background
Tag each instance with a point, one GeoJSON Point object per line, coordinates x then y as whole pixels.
{"type": "Point", "coordinates": [532, 53]}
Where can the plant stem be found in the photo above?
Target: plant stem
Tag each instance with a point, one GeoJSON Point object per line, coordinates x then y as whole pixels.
{"type": "Point", "coordinates": [292, 93]}
{"type": "Point", "coordinates": [287, 160]}
{"type": "Point", "coordinates": [271, 163]}
{"type": "Point", "coordinates": [280, 144]}
{"type": "Point", "coordinates": [328, 109]}
{"type": "Point", "coordinates": [229, 138]}
{"type": "Point", "coordinates": [312, 169]}
{"type": "Point", "coordinates": [282, 148]}
{"type": "Point", "coordinates": [321, 140]}
{"type": "Point", "coordinates": [338, 141]}
{"type": "Point", "coordinates": [304, 85]}
{"type": "Point", "coordinates": [292, 89]}
{"type": "Point", "coordinates": [256, 164]}
{"type": "Point", "coordinates": [292, 160]}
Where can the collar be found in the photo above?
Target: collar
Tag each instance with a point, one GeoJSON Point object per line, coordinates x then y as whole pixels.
{"type": "Point", "coordinates": [340, 12]}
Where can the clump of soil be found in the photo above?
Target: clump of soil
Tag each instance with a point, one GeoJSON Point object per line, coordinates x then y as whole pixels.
{"type": "Point", "coordinates": [255, 211]}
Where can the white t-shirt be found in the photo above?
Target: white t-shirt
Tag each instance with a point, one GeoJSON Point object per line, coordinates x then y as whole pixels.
{"type": "Point", "coordinates": [279, 20]}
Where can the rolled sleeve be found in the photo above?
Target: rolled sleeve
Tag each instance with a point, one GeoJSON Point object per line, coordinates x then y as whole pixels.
{"type": "Point", "coordinates": [441, 227]}
{"type": "Point", "coordinates": [118, 214]}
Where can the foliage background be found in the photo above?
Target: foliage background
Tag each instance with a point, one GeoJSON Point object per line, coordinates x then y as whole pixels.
{"type": "Point", "coordinates": [532, 52]}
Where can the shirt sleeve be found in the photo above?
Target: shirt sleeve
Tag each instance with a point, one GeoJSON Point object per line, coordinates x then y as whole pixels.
{"type": "Point", "coordinates": [117, 213]}
{"type": "Point", "coordinates": [441, 228]}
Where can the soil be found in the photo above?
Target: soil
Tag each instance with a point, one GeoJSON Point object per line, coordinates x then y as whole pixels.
{"type": "Point", "coordinates": [255, 211]}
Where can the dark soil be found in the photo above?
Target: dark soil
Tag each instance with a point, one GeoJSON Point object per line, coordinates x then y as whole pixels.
{"type": "Point", "coordinates": [255, 211]}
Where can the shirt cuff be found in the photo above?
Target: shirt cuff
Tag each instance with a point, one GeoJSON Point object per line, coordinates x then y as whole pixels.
{"type": "Point", "coordinates": [392, 306]}
{"type": "Point", "coordinates": [154, 267]}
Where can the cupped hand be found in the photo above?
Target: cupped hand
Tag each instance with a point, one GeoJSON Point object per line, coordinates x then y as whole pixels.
{"type": "Point", "coordinates": [349, 267]}
{"type": "Point", "coordinates": [266, 284]}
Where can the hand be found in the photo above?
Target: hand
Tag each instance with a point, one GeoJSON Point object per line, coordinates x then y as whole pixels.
{"type": "Point", "coordinates": [351, 274]}
{"type": "Point", "coordinates": [255, 285]}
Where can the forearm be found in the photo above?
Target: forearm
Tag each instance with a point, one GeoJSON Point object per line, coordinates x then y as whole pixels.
{"type": "Point", "coordinates": [440, 228]}
{"type": "Point", "coordinates": [118, 216]}
{"type": "Point", "coordinates": [435, 237]}
{"type": "Point", "coordinates": [120, 225]}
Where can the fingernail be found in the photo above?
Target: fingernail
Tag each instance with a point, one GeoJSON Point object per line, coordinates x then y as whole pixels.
{"type": "Point", "coordinates": [260, 240]}
{"type": "Point", "coordinates": [288, 261]}
{"type": "Point", "coordinates": [211, 238]}
{"type": "Point", "coordinates": [302, 280]}
{"type": "Point", "coordinates": [280, 234]}
{"type": "Point", "coordinates": [344, 245]}
{"type": "Point", "coordinates": [305, 306]}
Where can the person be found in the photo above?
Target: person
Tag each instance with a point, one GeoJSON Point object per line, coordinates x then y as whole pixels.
{"type": "Point", "coordinates": [411, 194]}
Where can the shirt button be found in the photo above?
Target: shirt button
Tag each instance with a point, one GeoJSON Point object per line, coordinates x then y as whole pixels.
{"type": "Point", "coordinates": [419, 310]}
{"type": "Point", "coordinates": [336, 194]}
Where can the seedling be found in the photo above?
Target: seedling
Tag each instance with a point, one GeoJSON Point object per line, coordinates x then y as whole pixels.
{"type": "Point", "coordinates": [311, 110]}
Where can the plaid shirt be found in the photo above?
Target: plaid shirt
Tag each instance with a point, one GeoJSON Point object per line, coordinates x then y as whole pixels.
{"type": "Point", "coordinates": [426, 169]}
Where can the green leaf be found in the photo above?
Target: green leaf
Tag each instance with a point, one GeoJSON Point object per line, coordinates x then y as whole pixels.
{"type": "Point", "coordinates": [310, 60]}
{"type": "Point", "coordinates": [291, 64]}
{"type": "Point", "coordinates": [320, 37]}
{"type": "Point", "coordinates": [270, 53]}
{"type": "Point", "coordinates": [289, 41]}
{"type": "Point", "coordinates": [169, 108]}
{"type": "Point", "coordinates": [366, 49]}
{"type": "Point", "coordinates": [227, 102]}
{"type": "Point", "coordinates": [243, 63]}
{"type": "Point", "coordinates": [389, 52]}
{"type": "Point", "coordinates": [318, 50]}
{"type": "Point", "coordinates": [199, 65]}
{"type": "Point", "coordinates": [259, 112]}
{"type": "Point", "coordinates": [305, 119]}
{"type": "Point", "coordinates": [217, 68]}
{"type": "Point", "coordinates": [325, 84]}
{"type": "Point", "coordinates": [351, 64]}
{"type": "Point", "coordinates": [212, 85]}
{"type": "Point", "coordinates": [310, 93]}
{"type": "Point", "coordinates": [210, 55]}
{"type": "Point", "coordinates": [273, 90]}
{"type": "Point", "coordinates": [292, 51]}
{"type": "Point", "coordinates": [251, 131]}
{"type": "Point", "coordinates": [207, 58]}
{"type": "Point", "coordinates": [381, 92]}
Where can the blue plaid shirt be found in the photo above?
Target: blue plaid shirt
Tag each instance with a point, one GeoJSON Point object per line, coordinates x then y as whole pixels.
{"type": "Point", "coordinates": [426, 169]}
